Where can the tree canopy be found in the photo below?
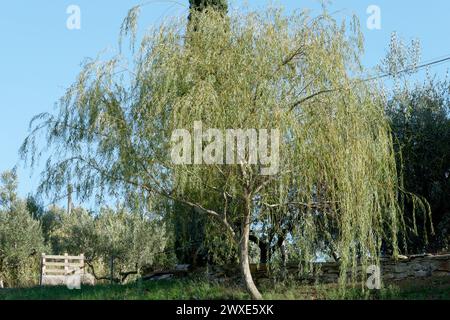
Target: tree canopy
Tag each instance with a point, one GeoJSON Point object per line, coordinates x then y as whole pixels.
{"type": "Point", "coordinates": [421, 125]}
{"type": "Point", "coordinates": [336, 179]}
{"type": "Point", "coordinates": [21, 239]}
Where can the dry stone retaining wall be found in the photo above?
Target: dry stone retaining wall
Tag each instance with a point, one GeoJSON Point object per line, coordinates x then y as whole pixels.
{"type": "Point", "coordinates": [412, 267]}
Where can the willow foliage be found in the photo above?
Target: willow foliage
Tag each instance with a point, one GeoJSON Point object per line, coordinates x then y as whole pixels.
{"type": "Point", "coordinates": [337, 175]}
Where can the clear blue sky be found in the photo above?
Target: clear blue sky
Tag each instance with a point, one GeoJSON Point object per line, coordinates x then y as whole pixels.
{"type": "Point", "coordinates": [40, 57]}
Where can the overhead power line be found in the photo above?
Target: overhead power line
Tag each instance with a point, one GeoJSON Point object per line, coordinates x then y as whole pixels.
{"type": "Point", "coordinates": [381, 76]}
{"type": "Point", "coordinates": [411, 68]}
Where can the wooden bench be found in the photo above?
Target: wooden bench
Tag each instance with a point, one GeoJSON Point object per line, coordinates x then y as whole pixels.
{"type": "Point", "coordinates": [55, 269]}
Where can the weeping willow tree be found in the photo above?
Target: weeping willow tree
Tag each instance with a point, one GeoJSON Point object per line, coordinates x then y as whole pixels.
{"type": "Point", "coordinates": [264, 71]}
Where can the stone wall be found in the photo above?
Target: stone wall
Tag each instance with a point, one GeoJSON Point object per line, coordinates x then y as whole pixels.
{"type": "Point", "coordinates": [412, 267]}
{"type": "Point", "coordinates": [417, 267]}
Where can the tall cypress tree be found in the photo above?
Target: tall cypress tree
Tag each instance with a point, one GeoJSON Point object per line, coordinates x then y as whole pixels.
{"type": "Point", "coordinates": [190, 236]}
{"type": "Point", "coordinates": [201, 5]}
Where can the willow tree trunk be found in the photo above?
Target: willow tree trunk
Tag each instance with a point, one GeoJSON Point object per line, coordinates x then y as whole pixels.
{"type": "Point", "coordinates": [243, 254]}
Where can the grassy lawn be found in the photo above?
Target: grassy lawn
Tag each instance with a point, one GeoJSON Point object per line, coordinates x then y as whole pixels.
{"type": "Point", "coordinates": [432, 289]}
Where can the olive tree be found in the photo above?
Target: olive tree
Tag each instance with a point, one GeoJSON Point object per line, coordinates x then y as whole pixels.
{"type": "Point", "coordinates": [133, 241]}
{"type": "Point", "coordinates": [419, 117]}
{"type": "Point", "coordinates": [287, 74]}
{"type": "Point", "coordinates": [421, 126]}
{"type": "Point", "coordinates": [21, 240]}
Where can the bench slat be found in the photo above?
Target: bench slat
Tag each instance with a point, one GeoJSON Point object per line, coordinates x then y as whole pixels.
{"type": "Point", "coordinates": [64, 257]}
{"type": "Point", "coordinates": [55, 271]}
{"type": "Point", "coordinates": [62, 264]}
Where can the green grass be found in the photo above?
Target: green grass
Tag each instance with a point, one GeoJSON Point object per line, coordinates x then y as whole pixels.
{"type": "Point", "coordinates": [425, 289]}
{"type": "Point", "coordinates": [152, 290]}
{"type": "Point", "coordinates": [435, 289]}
